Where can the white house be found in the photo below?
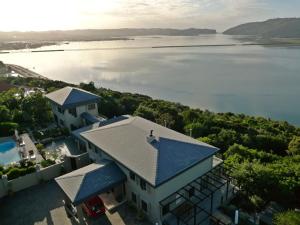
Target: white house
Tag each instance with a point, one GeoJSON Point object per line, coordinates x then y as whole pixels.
{"type": "Point", "coordinates": [172, 178]}
{"type": "Point", "coordinates": [73, 107]}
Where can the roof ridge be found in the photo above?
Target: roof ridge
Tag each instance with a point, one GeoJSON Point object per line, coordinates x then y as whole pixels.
{"type": "Point", "coordinates": [65, 177]}
{"type": "Point", "coordinates": [82, 181]}
{"type": "Point", "coordinates": [157, 164]}
{"type": "Point", "coordinates": [68, 95]}
{"type": "Point", "coordinates": [80, 89]}
{"type": "Point", "coordinates": [106, 126]}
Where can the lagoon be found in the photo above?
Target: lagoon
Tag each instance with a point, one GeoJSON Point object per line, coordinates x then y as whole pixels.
{"type": "Point", "coordinates": [255, 80]}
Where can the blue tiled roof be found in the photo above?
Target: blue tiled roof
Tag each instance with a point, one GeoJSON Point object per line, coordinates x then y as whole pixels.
{"type": "Point", "coordinates": [166, 156]}
{"type": "Point", "coordinates": [176, 156]}
{"type": "Point", "coordinates": [70, 96]}
{"type": "Point", "coordinates": [94, 179]}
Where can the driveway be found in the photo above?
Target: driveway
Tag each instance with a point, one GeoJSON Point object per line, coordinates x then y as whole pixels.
{"type": "Point", "coordinates": [42, 204]}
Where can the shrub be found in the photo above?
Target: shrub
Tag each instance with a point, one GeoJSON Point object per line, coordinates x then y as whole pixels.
{"type": "Point", "coordinates": [7, 128]}
{"type": "Point", "coordinates": [287, 218]}
{"type": "Point", "coordinates": [47, 162]}
{"type": "Point", "coordinates": [16, 172]}
{"type": "Point", "coordinates": [39, 146]}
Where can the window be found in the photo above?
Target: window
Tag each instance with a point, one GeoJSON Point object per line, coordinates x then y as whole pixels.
{"type": "Point", "coordinates": [90, 145]}
{"type": "Point", "coordinates": [96, 150]}
{"type": "Point", "coordinates": [60, 110]}
{"type": "Point", "coordinates": [144, 206]}
{"type": "Point", "coordinates": [91, 106]}
{"type": "Point", "coordinates": [143, 184]}
{"type": "Point", "coordinates": [133, 197]}
{"type": "Point", "coordinates": [165, 209]}
{"type": "Point", "coordinates": [192, 192]}
{"type": "Point", "coordinates": [132, 175]}
{"type": "Point", "coordinates": [73, 112]}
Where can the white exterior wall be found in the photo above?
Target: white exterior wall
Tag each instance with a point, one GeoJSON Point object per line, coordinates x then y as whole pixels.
{"type": "Point", "coordinates": [152, 196]}
{"type": "Point", "coordinates": [178, 182]}
{"type": "Point", "coordinates": [69, 118]}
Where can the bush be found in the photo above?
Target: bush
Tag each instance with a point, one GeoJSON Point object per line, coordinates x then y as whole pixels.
{"type": "Point", "coordinates": [39, 146]}
{"type": "Point", "coordinates": [16, 172]}
{"type": "Point", "coordinates": [287, 218]}
{"type": "Point", "coordinates": [47, 162]}
{"type": "Point", "coordinates": [7, 128]}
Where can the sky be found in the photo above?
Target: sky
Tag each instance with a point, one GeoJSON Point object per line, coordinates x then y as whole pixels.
{"type": "Point", "coordinates": [28, 15]}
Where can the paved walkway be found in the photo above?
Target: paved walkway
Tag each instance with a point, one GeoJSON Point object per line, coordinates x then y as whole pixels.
{"type": "Point", "coordinates": [42, 204]}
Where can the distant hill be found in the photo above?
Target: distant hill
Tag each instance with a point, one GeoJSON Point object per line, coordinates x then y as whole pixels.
{"type": "Point", "coordinates": [97, 34]}
{"type": "Point", "coordinates": [273, 28]}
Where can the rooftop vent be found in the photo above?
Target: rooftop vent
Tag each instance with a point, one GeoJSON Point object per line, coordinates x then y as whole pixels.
{"type": "Point", "coordinates": [151, 137]}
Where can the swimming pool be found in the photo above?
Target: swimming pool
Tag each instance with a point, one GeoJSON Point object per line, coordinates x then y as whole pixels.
{"type": "Point", "coordinates": [8, 152]}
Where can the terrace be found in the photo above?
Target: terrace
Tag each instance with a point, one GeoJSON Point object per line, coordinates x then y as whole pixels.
{"type": "Point", "coordinates": [196, 203]}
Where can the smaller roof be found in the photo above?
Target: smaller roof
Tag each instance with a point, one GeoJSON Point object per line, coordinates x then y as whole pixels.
{"type": "Point", "coordinates": [91, 180]}
{"type": "Point", "coordinates": [69, 97]}
{"type": "Point", "coordinates": [98, 124]}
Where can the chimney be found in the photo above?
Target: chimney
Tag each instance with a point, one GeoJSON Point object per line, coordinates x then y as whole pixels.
{"type": "Point", "coordinates": [151, 137]}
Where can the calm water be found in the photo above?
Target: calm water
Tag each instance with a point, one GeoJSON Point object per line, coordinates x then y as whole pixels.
{"type": "Point", "coordinates": [254, 80]}
{"type": "Point", "coordinates": [8, 152]}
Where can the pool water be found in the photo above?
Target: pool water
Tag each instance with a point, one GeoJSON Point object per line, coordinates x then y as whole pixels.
{"type": "Point", "coordinates": [8, 152]}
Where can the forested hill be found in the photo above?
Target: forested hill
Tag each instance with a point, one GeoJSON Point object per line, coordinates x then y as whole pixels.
{"type": "Point", "coordinates": [97, 34]}
{"type": "Point", "coordinates": [273, 28]}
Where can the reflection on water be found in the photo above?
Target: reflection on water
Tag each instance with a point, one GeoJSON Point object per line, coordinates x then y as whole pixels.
{"type": "Point", "coordinates": [254, 80]}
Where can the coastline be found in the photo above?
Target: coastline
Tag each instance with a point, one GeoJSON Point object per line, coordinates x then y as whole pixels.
{"type": "Point", "coordinates": [274, 44]}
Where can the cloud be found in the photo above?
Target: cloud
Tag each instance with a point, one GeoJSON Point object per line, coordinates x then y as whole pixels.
{"type": "Point", "coordinates": [72, 14]}
{"type": "Point", "coordinates": [186, 13]}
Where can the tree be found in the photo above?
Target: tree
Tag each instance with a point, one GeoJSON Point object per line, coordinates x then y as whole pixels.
{"type": "Point", "coordinates": [145, 112]}
{"type": "Point", "coordinates": [36, 109]}
{"type": "Point", "coordinates": [287, 218]}
{"type": "Point", "coordinates": [4, 114]}
{"type": "Point", "coordinates": [88, 87]}
{"type": "Point", "coordinates": [294, 146]}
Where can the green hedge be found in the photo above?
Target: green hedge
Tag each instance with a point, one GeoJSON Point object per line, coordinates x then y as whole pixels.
{"type": "Point", "coordinates": [48, 162]}
{"type": "Point", "coordinates": [16, 172]}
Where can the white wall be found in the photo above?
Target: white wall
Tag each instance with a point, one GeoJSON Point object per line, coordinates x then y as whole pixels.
{"type": "Point", "coordinates": [69, 118]}
{"type": "Point", "coordinates": [151, 195]}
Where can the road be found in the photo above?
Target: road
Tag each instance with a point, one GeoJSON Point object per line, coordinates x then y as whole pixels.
{"type": "Point", "coordinates": [24, 72]}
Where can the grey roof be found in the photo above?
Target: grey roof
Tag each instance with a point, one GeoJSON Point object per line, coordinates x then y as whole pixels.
{"type": "Point", "coordinates": [68, 97]}
{"type": "Point", "coordinates": [98, 124]}
{"type": "Point", "coordinates": [91, 180]}
{"type": "Point", "coordinates": [157, 161]}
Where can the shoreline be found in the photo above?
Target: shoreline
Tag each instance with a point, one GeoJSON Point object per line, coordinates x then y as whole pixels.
{"type": "Point", "coordinates": [157, 47]}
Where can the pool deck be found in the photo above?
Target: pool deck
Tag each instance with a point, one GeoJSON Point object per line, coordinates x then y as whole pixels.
{"type": "Point", "coordinates": [29, 145]}
{"type": "Point", "coordinates": [66, 146]}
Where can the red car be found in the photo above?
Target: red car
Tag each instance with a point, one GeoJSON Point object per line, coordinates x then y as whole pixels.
{"type": "Point", "coordinates": [94, 207]}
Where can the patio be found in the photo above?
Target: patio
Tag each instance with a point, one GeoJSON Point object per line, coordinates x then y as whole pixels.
{"type": "Point", "coordinates": [42, 204]}
{"type": "Point", "coordinates": [64, 146]}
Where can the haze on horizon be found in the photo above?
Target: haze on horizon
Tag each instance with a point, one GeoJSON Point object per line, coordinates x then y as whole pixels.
{"type": "Point", "coordinates": [37, 15]}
